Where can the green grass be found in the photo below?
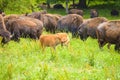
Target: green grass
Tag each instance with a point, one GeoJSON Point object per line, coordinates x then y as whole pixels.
{"type": "Point", "coordinates": [80, 61]}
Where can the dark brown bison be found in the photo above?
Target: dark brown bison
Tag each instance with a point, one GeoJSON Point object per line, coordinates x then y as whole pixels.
{"type": "Point", "coordinates": [49, 21]}
{"type": "Point", "coordinates": [70, 23]}
{"type": "Point", "coordinates": [109, 32]}
{"type": "Point", "coordinates": [3, 31]}
{"type": "Point", "coordinates": [10, 17]}
{"type": "Point", "coordinates": [2, 12]}
{"type": "Point", "coordinates": [36, 15]}
{"type": "Point", "coordinates": [75, 11]}
{"type": "Point", "coordinates": [93, 13]}
{"type": "Point", "coordinates": [39, 24]}
{"type": "Point", "coordinates": [88, 27]}
{"type": "Point", "coordinates": [114, 12]}
{"type": "Point", "coordinates": [58, 6]}
{"type": "Point", "coordinates": [24, 27]}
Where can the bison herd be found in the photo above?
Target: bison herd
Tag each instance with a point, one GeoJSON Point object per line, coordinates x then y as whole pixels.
{"type": "Point", "coordinates": [32, 25]}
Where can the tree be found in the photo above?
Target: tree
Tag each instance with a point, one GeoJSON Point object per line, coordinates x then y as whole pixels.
{"type": "Point", "coordinates": [66, 6]}
{"type": "Point", "coordinates": [82, 4]}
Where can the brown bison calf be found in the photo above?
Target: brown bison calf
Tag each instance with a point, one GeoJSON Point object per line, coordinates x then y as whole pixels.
{"type": "Point", "coordinates": [52, 40]}
{"type": "Point", "coordinates": [64, 38]}
{"type": "Point", "coordinates": [109, 32]}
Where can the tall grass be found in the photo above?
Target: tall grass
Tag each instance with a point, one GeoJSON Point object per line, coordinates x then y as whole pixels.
{"type": "Point", "coordinates": [80, 61]}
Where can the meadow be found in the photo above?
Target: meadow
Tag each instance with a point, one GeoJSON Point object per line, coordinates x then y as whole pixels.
{"type": "Point", "coordinates": [80, 61]}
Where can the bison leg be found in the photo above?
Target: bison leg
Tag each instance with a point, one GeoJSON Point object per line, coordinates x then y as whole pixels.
{"type": "Point", "coordinates": [102, 43]}
{"type": "Point", "coordinates": [108, 46]}
{"type": "Point", "coordinates": [6, 37]}
{"type": "Point", "coordinates": [16, 35]}
{"type": "Point", "coordinates": [33, 35]}
{"type": "Point", "coordinates": [117, 47]}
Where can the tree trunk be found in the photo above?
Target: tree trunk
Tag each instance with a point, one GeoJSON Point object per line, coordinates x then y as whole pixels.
{"type": "Point", "coordinates": [82, 4]}
{"type": "Point", "coordinates": [67, 6]}
{"type": "Point", "coordinates": [48, 5]}
{"type": "Point", "coordinates": [73, 3]}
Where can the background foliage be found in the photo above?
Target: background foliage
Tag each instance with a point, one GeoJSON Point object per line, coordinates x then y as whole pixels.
{"type": "Point", "coordinates": [23, 6]}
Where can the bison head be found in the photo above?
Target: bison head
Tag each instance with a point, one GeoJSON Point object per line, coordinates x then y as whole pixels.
{"type": "Point", "coordinates": [82, 32]}
{"type": "Point", "coordinates": [6, 37]}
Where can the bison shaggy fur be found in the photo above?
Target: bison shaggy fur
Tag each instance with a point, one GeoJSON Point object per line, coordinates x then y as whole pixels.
{"type": "Point", "coordinates": [49, 21]}
{"type": "Point", "coordinates": [75, 11]}
{"type": "Point", "coordinates": [3, 31]}
{"type": "Point", "coordinates": [24, 28]}
{"type": "Point", "coordinates": [70, 23]}
{"type": "Point", "coordinates": [109, 32]}
{"type": "Point", "coordinates": [88, 27]}
{"type": "Point", "coordinates": [93, 13]}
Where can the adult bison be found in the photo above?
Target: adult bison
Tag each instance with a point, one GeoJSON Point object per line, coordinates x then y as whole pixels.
{"type": "Point", "coordinates": [75, 11]}
{"type": "Point", "coordinates": [70, 23]}
{"type": "Point", "coordinates": [109, 32]}
{"type": "Point", "coordinates": [39, 24]}
{"type": "Point", "coordinates": [36, 15]}
{"type": "Point", "coordinates": [114, 12]}
{"type": "Point", "coordinates": [24, 27]}
{"type": "Point", "coordinates": [58, 6]}
{"type": "Point", "coordinates": [49, 21]}
{"type": "Point", "coordinates": [3, 31]}
{"type": "Point", "coordinates": [93, 13]}
{"type": "Point", "coordinates": [10, 17]}
{"type": "Point", "coordinates": [89, 27]}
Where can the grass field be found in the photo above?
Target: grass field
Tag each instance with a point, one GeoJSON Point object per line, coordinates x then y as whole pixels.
{"type": "Point", "coordinates": [80, 61]}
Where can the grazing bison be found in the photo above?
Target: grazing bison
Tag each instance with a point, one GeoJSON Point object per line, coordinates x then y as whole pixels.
{"type": "Point", "coordinates": [114, 12]}
{"type": "Point", "coordinates": [49, 21]}
{"type": "Point", "coordinates": [109, 32]}
{"type": "Point", "coordinates": [93, 13]}
{"type": "Point", "coordinates": [36, 15]}
{"type": "Point", "coordinates": [3, 31]}
{"type": "Point", "coordinates": [52, 40]}
{"type": "Point", "coordinates": [70, 23]}
{"type": "Point", "coordinates": [39, 24]}
{"type": "Point", "coordinates": [88, 27]}
{"type": "Point", "coordinates": [24, 27]}
{"type": "Point", "coordinates": [76, 11]}
{"type": "Point", "coordinates": [10, 17]}
{"type": "Point", "coordinates": [58, 6]}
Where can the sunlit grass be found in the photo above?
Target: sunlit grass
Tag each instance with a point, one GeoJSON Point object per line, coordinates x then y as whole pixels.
{"type": "Point", "coordinates": [81, 60]}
